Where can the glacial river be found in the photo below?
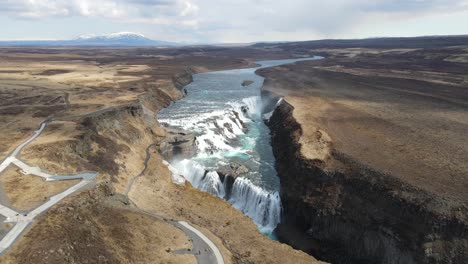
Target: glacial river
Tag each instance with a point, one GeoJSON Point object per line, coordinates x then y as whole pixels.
{"type": "Point", "coordinates": [228, 121]}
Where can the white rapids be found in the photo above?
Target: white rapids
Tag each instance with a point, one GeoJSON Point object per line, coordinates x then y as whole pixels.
{"type": "Point", "coordinates": [262, 206]}
{"type": "Point", "coordinates": [219, 133]}
{"type": "Point", "coordinates": [228, 122]}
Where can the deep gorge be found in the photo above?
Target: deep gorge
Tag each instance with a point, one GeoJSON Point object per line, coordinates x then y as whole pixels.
{"type": "Point", "coordinates": [355, 216]}
{"type": "Point", "coordinates": [350, 216]}
{"type": "Point", "coordinates": [226, 149]}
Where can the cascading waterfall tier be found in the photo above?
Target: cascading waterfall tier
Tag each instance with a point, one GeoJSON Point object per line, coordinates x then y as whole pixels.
{"type": "Point", "coordinates": [221, 133]}
{"type": "Point", "coordinates": [228, 121]}
{"type": "Point", "coordinates": [262, 206]}
{"type": "Point", "coordinates": [200, 178]}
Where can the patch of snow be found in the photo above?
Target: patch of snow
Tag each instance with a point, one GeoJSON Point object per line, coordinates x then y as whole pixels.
{"type": "Point", "coordinates": [117, 35]}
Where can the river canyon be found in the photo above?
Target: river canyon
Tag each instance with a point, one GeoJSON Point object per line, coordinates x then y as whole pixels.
{"type": "Point", "coordinates": [273, 155]}
{"type": "Point", "coordinates": [233, 158]}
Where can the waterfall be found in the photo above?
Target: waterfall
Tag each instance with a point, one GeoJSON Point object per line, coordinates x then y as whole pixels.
{"type": "Point", "coordinates": [268, 115]}
{"type": "Point", "coordinates": [262, 206]}
{"type": "Point", "coordinates": [227, 120]}
{"type": "Point", "coordinates": [207, 181]}
{"type": "Point", "coordinates": [220, 131]}
{"type": "Point", "coordinates": [254, 106]}
{"type": "Point", "coordinates": [248, 109]}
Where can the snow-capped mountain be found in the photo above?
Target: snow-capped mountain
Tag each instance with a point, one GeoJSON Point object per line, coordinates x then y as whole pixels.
{"type": "Point", "coordinates": [119, 39]}
{"type": "Point", "coordinates": [118, 35]}
{"type": "Point", "coordinates": [113, 39]}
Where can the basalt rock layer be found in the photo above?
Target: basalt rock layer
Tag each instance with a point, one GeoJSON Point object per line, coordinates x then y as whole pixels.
{"type": "Point", "coordinates": [357, 214]}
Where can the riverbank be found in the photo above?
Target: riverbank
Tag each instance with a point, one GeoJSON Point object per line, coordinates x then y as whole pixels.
{"type": "Point", "coordinates": [231, 155]}
{"type": "Point", "coordinates": [108, 131]}
{"type": "Point", "coordinates": [370, 156]}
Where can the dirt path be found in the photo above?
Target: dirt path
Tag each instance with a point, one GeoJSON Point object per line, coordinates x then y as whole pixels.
{"type": "Point", "coordinates": [21, 220]}
{"type": "Point", "coordinates": [203, 248]}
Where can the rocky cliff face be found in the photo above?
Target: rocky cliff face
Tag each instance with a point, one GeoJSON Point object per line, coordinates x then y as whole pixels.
{"type": "Point", "coordinates": [132, 127]}
{"type": "Point", "coordinates": [177, 144]}
{"type": "Point", "coordinates": [181, 79]}
{"type": "Point", "coordinates": [112, 141]}
{"type": "Point", "coordinates": [357, 215]}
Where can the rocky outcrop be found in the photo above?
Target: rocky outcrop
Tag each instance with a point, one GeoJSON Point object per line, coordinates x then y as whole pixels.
{"type": "Point", "coordinates": [111, 140]}
{"type": "Point", "coordinates": [177, 144]}
{"type": "Point", "coordinates": [247, 83]}
{"type": "Point", "coordinates": [239, 169]}
{"type": "Point", "coordinates": [233, 169]}
{"type": "Point", "coordinates": [181, 79]}
{"type": "Point", "coordinates": [158, 98]}
{"type": "Point", "coordinates": [357, 215]}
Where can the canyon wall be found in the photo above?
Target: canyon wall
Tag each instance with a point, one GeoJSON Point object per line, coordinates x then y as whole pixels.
{"type": "Point", "coordinates": [355, 214]}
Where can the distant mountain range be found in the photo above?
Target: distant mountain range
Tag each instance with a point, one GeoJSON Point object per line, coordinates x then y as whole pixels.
{"type": "Point", "coordinates": [378, 43]}
{"type": "Point", "coordinates": [128, 39]}
{"type": "Point", "coordinates": [114, 40]}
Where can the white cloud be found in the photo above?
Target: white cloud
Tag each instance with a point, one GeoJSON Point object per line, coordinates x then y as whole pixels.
{"type": "Point", "coordinates": [248, 20]}
{"type": "Point", "coordinates": [97, 8]}
{"type": "Point", "coordinates": [189, 9]}
{"type": "Point", "coordinates": [244, 20]}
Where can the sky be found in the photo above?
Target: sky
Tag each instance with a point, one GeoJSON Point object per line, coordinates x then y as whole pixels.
{"type": "Point", "coordinates": [232, 21]}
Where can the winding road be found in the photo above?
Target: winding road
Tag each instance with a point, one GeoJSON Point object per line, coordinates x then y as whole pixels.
{"type": "Point", "coordinates": [203, 248]}
{"type": "Point", "coordinates": [21, 220]}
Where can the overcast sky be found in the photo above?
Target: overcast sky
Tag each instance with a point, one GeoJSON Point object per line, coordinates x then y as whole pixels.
{"type": "Point", "coordinates": [232, 20]}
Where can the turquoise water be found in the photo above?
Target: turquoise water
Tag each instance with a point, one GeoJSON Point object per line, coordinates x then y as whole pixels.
{"type": "Point", "coordinates": [229, 122]}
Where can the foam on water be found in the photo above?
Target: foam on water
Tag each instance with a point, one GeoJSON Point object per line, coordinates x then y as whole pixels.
{"type": "Point", "coordinates": [260, 205]}
{"type": "Point", "coordinates": [227, 119]}
{"type": "Point", "coordinates": [207, 181]}
{"type": "Point", "coordinates": [217, 132]}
